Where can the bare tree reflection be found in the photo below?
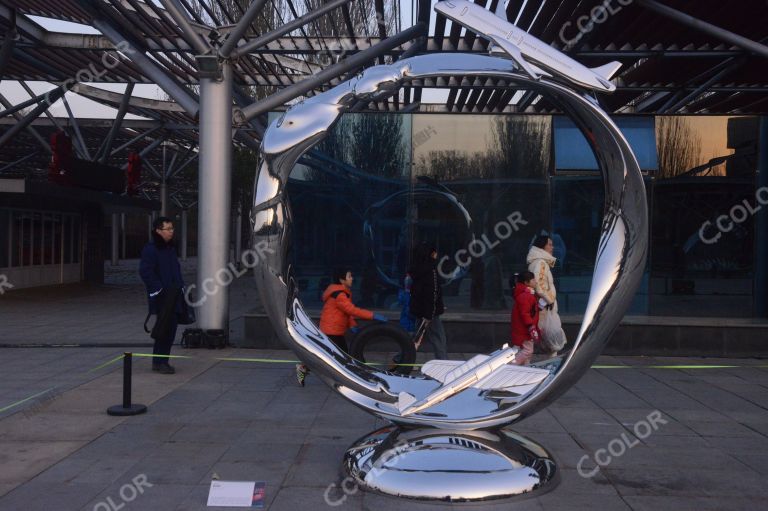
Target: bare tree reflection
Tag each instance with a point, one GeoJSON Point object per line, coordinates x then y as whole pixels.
{"type": "Point", "coordinates": [519, 146]}
{"type": "Point", "coordinates": [370, 143]}
{"type": "Point", "coordinates": [678, 146]}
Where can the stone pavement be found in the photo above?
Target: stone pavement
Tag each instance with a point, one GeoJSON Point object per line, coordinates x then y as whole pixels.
{"type": "Point", "coordinates": [250, 421]}
{"type": "Point", "coordinates": [111, 314]}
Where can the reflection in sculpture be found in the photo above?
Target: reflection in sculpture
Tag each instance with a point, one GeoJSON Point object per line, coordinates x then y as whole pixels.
{"type": "Point", "coordinates": [449, 440]}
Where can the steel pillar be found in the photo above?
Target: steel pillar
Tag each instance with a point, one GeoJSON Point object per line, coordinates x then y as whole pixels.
{"type": "Point", "coordinates": [122, 234]}
{"type": "Point", "coordinates": [163, 198]}
{"type": "Point", "coordinates": [183, 234]}
{"type": "Point", "coordinates": [163, 186]}
{"type": "Point", "coordinates": [115, 239]}
{"type": "Point", "coordinates": [239, 234]}
{"type": "Point", "coordinates": [215, 183]}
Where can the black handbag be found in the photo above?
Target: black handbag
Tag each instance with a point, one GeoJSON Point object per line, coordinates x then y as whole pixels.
{"type": "Point", "coordinates": [187, 314]}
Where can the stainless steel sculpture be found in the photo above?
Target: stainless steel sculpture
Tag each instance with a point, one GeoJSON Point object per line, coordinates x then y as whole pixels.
{"type": "Point", "coordinates": [455, 448]}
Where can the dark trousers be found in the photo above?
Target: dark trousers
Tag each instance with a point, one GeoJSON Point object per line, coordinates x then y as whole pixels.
{"type": "Point", "coordinates": [163, 343]}
{"type": "Point", "coordinates": [435, 335]}
{"type": "Point", "coordinates": [340, 342]}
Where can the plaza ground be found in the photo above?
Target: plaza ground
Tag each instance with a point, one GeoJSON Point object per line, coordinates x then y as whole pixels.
{"type": "Point", "coordinates": [239, 420]}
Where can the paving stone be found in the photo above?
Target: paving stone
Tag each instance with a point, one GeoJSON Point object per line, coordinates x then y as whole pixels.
{"type": "Point", "coordinates": [239, 422]}
{"type": "Point", "coordinates": [672, 503]}
{"type": "Point", "coordinates": [35, 496]}
{"type": "Point", "coordinates": [291, 499]}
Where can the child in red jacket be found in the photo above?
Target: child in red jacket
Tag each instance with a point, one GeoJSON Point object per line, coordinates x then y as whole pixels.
{"type": "Point", "coordinates": [525, 317]}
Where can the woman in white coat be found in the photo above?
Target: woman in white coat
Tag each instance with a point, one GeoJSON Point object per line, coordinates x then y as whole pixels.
{"type": "Point", "coordinates": [540, 262]}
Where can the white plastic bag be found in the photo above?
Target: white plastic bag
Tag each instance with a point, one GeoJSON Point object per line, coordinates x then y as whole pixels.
{"type": "Point", "coordinates": [552, 334]}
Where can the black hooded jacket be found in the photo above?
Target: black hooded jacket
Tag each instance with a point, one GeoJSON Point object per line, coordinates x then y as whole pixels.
{"type": "Point", "coordinates": [426, 291]}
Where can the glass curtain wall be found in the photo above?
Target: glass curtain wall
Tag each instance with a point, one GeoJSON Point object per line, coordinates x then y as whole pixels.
{"type": "Point", "coordinates": [480, 187]}
{"type": "Point", "coordinates": [703, 234]}
{"type": "Point", "coordinates": [38, 238]}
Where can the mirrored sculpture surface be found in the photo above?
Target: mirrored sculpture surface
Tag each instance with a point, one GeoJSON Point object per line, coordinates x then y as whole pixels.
{"type": "Point", "coordinates": [454, 407]}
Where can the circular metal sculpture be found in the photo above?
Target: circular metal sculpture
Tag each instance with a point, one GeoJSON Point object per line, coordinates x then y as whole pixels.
{"type": "Point", "coordinates": [448, 441]}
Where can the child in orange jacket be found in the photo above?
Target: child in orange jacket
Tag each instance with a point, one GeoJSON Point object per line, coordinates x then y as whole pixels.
{"type": "Point", "coordinates": [338, 315]}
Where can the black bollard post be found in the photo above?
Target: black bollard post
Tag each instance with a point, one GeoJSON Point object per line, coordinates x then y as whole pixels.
{"type": "Point", "coordinates": [127, 408]}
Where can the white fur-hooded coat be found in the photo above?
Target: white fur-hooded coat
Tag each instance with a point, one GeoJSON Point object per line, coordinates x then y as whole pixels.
{"type": "Point", "coordinates": [540, 263]}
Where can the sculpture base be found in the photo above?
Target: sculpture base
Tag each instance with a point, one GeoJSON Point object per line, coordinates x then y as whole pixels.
{"type": "Point", "coordinates": [450, 466]}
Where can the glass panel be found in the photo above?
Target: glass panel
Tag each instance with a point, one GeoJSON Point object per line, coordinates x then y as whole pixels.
{"type": "Point", "coordinates": [497, 167]}
{"type": "Point", "coordinates": [4, 237]}
{"type": "Point", "coordinates": [572, 151]}
{"type": "Point", "coordinates": [67, 230]}
{"type": "Point", "coordinates": [577, 211]}
{"type": "Point", "coordinates": [47, 239]}
{"type": "Point", "coordinates": [37, 238]}
{"type": "Point", "coordinates": [347, 202]}
{"type": "Point", "coordinates": [56, 246]}
{"type": "Point", "coordinates": [25, 240]}
{"type": "Point", "coordinates": [702, 245]}
{"type": "Point", "coordinates": [75, 245]}
{"type": "Point", "coordinates": [16, 237]}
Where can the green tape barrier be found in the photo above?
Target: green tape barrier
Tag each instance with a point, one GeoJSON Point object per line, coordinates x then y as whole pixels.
{"type": "Point", "coordinates": [285, 361]}
{"type": "Point", "coordinates": [17, 403]}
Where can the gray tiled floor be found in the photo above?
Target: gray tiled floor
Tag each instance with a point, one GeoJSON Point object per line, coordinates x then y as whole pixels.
{"type": "Point", "coordinates": [102, 315]}
{"type": "Point", "coordinates": [245, 421]}
{"type": "Point", "coordinates": [240, 421]}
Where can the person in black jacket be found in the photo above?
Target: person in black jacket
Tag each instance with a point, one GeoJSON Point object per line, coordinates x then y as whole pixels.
{"type": "Point", "coordinates": [160, 270]}
{"type": "Point", "coordinates": [427, 296]}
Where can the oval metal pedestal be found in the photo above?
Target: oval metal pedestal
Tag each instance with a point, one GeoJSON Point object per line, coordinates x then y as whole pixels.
{"type": "Point", "coordinates": [450, 466]}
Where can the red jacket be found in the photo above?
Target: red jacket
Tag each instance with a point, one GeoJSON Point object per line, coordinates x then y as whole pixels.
{"type": "Point", "coordinates": [339, 312]}
{"type": "Point", "coordinates": [524, 314]}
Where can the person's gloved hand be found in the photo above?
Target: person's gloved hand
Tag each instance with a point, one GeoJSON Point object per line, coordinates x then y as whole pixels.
{"type": "Point", "coordinates": [153, 301]}
{"type": "Point", "coordinates": [380, 317]}
{"type": "Point", "coordinates": [354, 329]}
{"type": "Point", "coordinates": [533, 333]}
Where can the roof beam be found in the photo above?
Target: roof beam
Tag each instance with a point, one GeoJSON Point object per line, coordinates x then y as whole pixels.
{"type": "Point", "coordinates": [19, 161]}
{"type": "Point", "coordinates": [708, 28]}
{"type": "Point", "coordinates": [106, 149]}
{"type": "Point", "coordinates": [286, 28]}
{"type": "Point", "coordinates": [242, 26]}
{"type": "Point", "coordinates": [47, 110]}
{"type": "Point", "coordinates": [116, 98]}
{"type": "Point", "coordinates": [349, 64]}
{"type": "Point", "coordinates": [178, 13]}
{"type": "Point", "coordinates": [136, 139]}
{"type": "Point", "coordinates": [21, 106]}
{"type": "Point", "coordinates": [704, 86]}
{"type": "Point", "coordinates": [8, 42]}
{"type": "Point", "coordinates": [149, 68]}
{"type": "Point", "coordinates": [78, 135]}
{"type": "Point", "coordinates": [24, 122]}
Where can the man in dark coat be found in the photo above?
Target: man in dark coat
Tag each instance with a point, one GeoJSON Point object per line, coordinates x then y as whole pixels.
{"type": "Point", "coordinates": [161, 273]}
{"type": "Point", "coordinates": [427, 297]}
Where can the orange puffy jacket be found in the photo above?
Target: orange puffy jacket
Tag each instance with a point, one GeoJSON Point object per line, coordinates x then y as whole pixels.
{"type": "Point", "coordinates": [339, 312]}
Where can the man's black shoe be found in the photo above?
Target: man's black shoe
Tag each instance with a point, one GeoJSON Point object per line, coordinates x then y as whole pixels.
{"type": "Point", "coordinates": [163, 368]}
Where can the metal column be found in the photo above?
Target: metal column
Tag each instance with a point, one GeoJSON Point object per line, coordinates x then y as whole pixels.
{"type": "Point", "coordinates": [122, 233]}
{"type": "Point", "coordinates": [214, 200]}
{"type": "Point", "coordinates": [115, 238]}
{"type": "Point", "coordinates": [163, 186]}
{"type": "Point", "coordinates": [239, 234]}
{"type": "Point", "coordinates": [183, 234]}
{"type": "Point", "coordinates": [163, 197]}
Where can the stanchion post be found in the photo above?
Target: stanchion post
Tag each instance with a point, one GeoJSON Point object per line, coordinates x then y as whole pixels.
{"type": "Point", "coordinates": [127, 408]}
